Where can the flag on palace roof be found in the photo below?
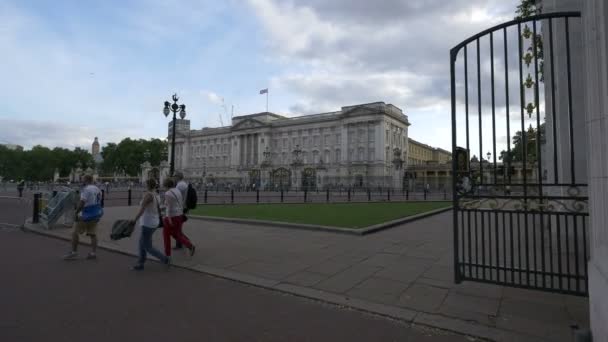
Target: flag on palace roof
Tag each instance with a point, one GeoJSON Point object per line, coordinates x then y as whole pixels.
{"type": "Point", "coordinates": [264, 91]}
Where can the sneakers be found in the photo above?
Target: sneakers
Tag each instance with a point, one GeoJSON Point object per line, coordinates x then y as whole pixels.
{"type": "Point", "coordinates": [138, 267]}
{"type": "Point", "coordinates": [192, 250]}
{"type": "Point", "coordinates": [92, 256]}
{"type": "Point", "coordinates": [71, 256]}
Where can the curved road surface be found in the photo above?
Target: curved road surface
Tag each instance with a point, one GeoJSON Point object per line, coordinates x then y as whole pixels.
{"type": "Point", "coordinates": [47, 299]}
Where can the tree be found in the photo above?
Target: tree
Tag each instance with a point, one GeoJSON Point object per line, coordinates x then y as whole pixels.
{"type": "Point", "coordinates": [128, 155]}
{"type": "Point", "coordinates": [39, 163]}
{"type": "Point", "coordinates": [517, 151]}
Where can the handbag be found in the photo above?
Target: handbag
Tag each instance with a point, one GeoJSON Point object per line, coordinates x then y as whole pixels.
{"type": "Point", "coordinates": [122, 229]}
{"type": "Point", "coordinates": [160, 217]}
{"type": "Point", "coordinates": [92, 213]}
{"type": "Point", "coordinates": [184, 211]}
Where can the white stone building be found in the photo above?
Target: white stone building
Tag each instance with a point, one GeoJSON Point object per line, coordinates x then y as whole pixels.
{"type": "Point", "coordinates": [362, 145]}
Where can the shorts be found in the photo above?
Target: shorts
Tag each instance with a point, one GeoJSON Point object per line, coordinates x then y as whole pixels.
{"type": "Point", "coordinates": [82, 227]}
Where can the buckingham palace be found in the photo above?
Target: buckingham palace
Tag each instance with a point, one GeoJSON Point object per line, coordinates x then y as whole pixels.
{"type": "Point", "coordinates": [358, 146]}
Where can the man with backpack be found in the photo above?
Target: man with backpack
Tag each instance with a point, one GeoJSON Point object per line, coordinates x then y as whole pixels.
{"type": "Point", "coordinates": [189, 198]}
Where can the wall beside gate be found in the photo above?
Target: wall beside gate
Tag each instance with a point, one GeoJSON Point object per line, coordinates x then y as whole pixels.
{"type": "Point", "coordinates": [595, 33]}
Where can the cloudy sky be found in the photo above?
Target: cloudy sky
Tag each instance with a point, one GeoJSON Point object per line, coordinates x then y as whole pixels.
{"type": "Point", "coordinates": [77, 69]}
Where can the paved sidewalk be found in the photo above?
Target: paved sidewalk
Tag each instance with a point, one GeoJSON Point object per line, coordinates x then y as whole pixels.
{"type": "Point", "coordinates": [46, 299]}
{"type": "Point", "coordinates": [405, 272]}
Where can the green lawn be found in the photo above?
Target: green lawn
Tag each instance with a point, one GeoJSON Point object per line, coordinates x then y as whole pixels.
{"type": "Point", "coordinates": [346, 215]}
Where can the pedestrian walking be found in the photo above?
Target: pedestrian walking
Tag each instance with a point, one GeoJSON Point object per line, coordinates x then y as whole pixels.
{"type": "Point", "coordinates": [173, 221]}
{"type": "Point", "coordinates": [20, 187]}
{"type": "Point", "coordinates": [88, 214]}
{"type": "Point", "coordinates": [182, 186]}
{"type": "Point", "coordinates": [149, 218]}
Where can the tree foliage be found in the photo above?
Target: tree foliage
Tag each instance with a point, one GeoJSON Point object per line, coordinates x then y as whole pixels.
{"type": "Point", "coordinates": [129, 154]}
{"type": "Point", "coordinates": [519, 148]}
{"type": "Point", "coordinates": [39, 163]}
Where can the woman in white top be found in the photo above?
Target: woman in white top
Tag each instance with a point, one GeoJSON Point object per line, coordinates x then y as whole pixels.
{"type": "Point", "coordinates": [173, 221]}
{"type": "Point", "coordinates": [148, 216]}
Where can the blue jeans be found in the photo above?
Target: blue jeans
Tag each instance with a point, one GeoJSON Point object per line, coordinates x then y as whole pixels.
{"type": "Point", "coordinates": [145, 246]}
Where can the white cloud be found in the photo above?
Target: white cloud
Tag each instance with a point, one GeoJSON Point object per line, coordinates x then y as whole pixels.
{"type": "Point", "coordinates": [212, 97]}
{"type": "Point", "coordinates": [357, 51]}
{"type": "Point", "coordinates": [29, 133]}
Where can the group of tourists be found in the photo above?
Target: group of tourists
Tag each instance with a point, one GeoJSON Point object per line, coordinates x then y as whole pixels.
{"type": "Point", "coordinates": [153, 213]}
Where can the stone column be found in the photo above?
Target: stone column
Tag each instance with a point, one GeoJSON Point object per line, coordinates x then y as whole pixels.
{"type": "Point", "coordinates": [243, 146]}
{"type": "Point", "coordinates": [256, 148]}
{"type": "Point", "coordinates": [595, 53]}
{"type": "Point", "coordinates": [561, 123]}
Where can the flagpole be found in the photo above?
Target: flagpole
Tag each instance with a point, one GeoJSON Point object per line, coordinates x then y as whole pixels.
{"type": "Point", "coordinates": [266, 101]}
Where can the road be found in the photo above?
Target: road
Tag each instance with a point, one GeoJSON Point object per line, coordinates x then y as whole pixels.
{"type": "Point", "coordinates": [47, 299]}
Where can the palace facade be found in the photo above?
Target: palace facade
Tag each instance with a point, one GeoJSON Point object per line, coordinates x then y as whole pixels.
{"type": "Point", "coordinates": [362, 145]}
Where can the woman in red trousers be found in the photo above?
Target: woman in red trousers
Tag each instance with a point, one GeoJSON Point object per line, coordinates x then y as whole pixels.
{"type": "Point", "coordinates": [172, 221]}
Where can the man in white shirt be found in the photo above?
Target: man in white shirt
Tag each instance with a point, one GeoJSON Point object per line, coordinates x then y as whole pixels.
{"type": "Point", "coordinates": [88, 213]}
{"type": "Point", "coordinates": [182, 186]}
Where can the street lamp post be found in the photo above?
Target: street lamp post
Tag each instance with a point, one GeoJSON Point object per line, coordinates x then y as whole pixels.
{"type": "Point", "coordinates": [175, 108]}
{"type": "Point", "coordinates": [266, 164]}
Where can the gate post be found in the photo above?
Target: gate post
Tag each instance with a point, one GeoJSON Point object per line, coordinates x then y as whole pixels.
{"type": "Point", "coordinates": [232, 196]}
{"type": "Point", "coordinates": [205, 196]}
{"type": "Point", "coordinates": [388, 193]}
{"type": "Point", "coordinates": [257, 196]}
{"type": "Point", "coordinates": [36, 213]}
{"type": "Point", "coordinates": [349, 194]}
{"type": "Point", "coordinates": [327, 196]}
{"type": "Point", "coordinates": [407, 194]}
{"type": "Point", "coordinates": [369, 195]}
{"type": "Point", "coordinates": [281, 195]}
{"type": "Point", "coordinates": [305, 194]}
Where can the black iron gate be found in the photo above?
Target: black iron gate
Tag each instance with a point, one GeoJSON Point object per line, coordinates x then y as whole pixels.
{"type": "Point", "coordinates": [521, 209]}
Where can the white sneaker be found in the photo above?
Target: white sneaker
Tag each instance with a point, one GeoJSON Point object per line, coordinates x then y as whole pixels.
{"type": "Point", "coordinates": [71, 256]}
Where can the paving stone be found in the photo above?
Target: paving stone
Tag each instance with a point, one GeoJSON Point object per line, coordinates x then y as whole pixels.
{"type": "Point", "coordinates": [406, 260]}
{"type": "Point", "coordinates": [487, 306]}
{"type": "Point", "coordinates": [460, 326]}
{"type": "Point", "coordinates": [380, 259]}
{"type": "Point", "coordinates": [352, 257]}
{"type": "Point", "coordinates": [224, 260]}
{"type": "Point", "coordinates": [398, 249]}
{"type": "Point", "coordinates": [479, 289]}
{"type": "Point", "coordinates": [546, 330]}
{"type": "Point", "coordinates": [265, 270]}
{"type": "Point", "coordinates": [437, 283]}
{"type": "Point", "coordinates": [329, 267]}
{"type": "Point", "coordinates": [541, 312]}
{"type": "Point", "coordinates": [533, 295]}
{"type": "Point", "coordinates": [379, 290]}
{"type": "Point", "coordinates": [440, 273]}
{"type": "Point", "coordinates": [467, 315]}
{"type": "Point", "coordinates": [305, 278]}
{"type": "Point", "coordinates": [347, 279]}
{"type": "Point", "coordinates": [423, 297]}
{"type": "Point", "coordinates": [403, 273]}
